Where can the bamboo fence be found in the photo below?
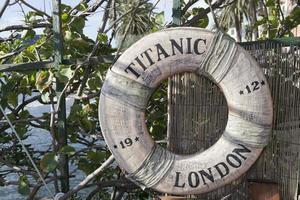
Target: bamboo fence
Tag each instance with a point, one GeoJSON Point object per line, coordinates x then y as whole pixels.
{"type": "Point", "coordinates": [199, 116]}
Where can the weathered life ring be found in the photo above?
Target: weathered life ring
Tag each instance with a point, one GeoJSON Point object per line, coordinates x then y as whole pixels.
{"type": "Point", "coordinates": [130, 83]}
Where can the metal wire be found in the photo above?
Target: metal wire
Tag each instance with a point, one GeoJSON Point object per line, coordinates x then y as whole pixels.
{"type": "Point", "coordinates": [26, 151]}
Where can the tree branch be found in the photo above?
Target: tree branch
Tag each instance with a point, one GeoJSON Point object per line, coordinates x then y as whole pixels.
{"type": "Point", "coordinates": [200, 15]}
{"type": "Point", "coordinates": [89, 178]}
{"type": "Point", "coordinates": [26, 26]}
{"type": "Point", "coordinates": [89, 68]}
{"type": "Point", "coordinates": [6, 3]}
{"type": "Point", "coordinates": [18, 169]}
{"type": "Point", "coordinates": [26, 102]}
{"type": "Point", "coordinates": [117, 20]}
{"type": "Point", "coordinates": [88, 11]}
{"type": "Point", "coordinates": [26, 66]}
{"type": "Point", "coordinates": [188, 5]}
{"type": "Point", "coordinates": [89, 56]}
{"type": "Point", "coordinates": [34, 8]}
{"type": "Point", "coordinates": [36, 188]}
{"type": "Point", "coordinates": [16, 52]}
{"type": "Point", "coordinates": [117, 183]}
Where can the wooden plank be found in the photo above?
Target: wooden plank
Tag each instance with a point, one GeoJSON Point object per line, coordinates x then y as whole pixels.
{"type": "Point", "coordinates": [26, 66]}
{"type": "Point", "coordinates": [61, 116]}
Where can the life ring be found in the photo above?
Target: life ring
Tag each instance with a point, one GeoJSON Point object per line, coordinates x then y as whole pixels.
{"type": "Point", "coordinates": [139, 70]}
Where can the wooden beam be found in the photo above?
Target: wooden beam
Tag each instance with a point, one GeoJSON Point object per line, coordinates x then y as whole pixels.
{"type": "Point", "coordinates": [26, 66]}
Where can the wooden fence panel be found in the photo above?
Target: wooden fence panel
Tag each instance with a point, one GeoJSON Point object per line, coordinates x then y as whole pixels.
{"type": "Point", "coordinates": [198, 116]}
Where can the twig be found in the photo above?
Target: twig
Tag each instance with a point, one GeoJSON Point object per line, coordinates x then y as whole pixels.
{"type": "Point", "coordinates": [26, 26]}
{"type": "Point", "coordinates": [27, 120]}
{"type": "Point", "coordinates": [70, 81]}
{"type": "Point", "coordinates": [6, 3]}
{"type": "Point", "coordinates": [88, 58]}
{"type": "Point", "coordinates": [88, 11]}
{"type": "Point", "coordinates": [153, 7]}
{"type": "Point", "coordinates": [117, 20]}
{"type": "Point", "coordinates": [22, 9]}
{"type": "Point", "coordinates": [124, 37]}
{"type": "Point", "coordinates": [36, 188]}
{"type": "Point", "coordinates": [88, 96]}
{"type": "Point", "coordinates": [34, 8]}
{"type": "Point", "coordinates": [117, 183]}
{"type": "Point", "coordinates": [105, 17]}
{"type": "Point", "coordinates": [188, 5]}
{"type": "Point", "coordinates": [280, 11]}
{"type": "Point", "coordinates": [213, 14]}
{"type": "Point", "coordinates": [26, 102]}
{"type": "Point", "coordinates": [126, 31]}
{"type": "Point", "coordinates": [89, 178]}
{"type": "Point", "coordinates": [88, 70]}
{"type": "Point", "coordinates": [16, 52]}
{"type": "Point", "coordinates": [114, 17]}
{"type": "Point", "coordinates": [18, 169]}
{"type": "Point", "coordinates": [200, 15]}
{"type": "Point", "coordinates": [120, 194]}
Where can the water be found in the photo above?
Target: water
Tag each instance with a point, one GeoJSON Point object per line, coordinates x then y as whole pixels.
{"type": "Point", "coordinates": [40, 140]}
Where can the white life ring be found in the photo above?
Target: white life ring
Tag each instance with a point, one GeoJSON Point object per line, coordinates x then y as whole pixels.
{"type": "Point", "coordinates": [130, 83]}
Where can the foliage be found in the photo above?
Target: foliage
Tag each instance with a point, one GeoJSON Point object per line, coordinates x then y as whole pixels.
{"type": "Point", "coordinates": [128, 21]}
{"type": "Point", "coordinates": [19, 90]}
{"type": "Point", "coordinates": [259, 19]}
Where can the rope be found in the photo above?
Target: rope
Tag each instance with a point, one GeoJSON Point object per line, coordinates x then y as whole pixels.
{"type": "Point", "coordinates": [153, 169]}
{"type": "Point", "coordinates": [27, 153]}
{"type": "Point", "coordinates": [129, 91]}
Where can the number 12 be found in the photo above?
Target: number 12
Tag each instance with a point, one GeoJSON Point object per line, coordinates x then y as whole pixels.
{"type": "Point", "coordinates": [255, 85]}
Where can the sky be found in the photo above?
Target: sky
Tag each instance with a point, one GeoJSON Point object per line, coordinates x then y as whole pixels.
{"type": "Point", "coordinates": [13, 14]}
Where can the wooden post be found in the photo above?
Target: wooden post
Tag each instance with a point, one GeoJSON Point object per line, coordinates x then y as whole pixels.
{"type": "Point", "coordinates": [61, 129]}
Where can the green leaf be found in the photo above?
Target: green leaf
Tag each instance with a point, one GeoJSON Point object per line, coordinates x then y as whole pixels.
{"type": "Point", "coordinates": [21, 130]}
{"type": "Point", "coordinates": [65, 17]}
{"type": "Point", "coordinates": [45, 96]}
{"type": "Point", "coordinates": [203, 22]}
{"type": "Point", "coordinates": [12, 99]}
{"type": "Point", "coordinates": [49, 162]}
{"type": "Point", "coordinates": [75, 112]}
{"type": "Point", "coordinates": [80, 44]}
{"type": "Point", "coordinates": [78, 24]}
{"type": "Point", "coordinates": [43, 80]}
{"type": "Point", "coordinates": [73, 138]}
{"type": "Point", "coordinates": [23, 187]}
{"type": "Point", "coordinates": [93, 83]}
{"type": "Point", "coordinates": [68, 36]}
{"type": "Point", "coordinates": [86, 124]}
{"type": "Point", "coordinates": [82, 6]}
{"type": "Point", "coordinates": [85, 166]}
{"type": "Point", "coordinates": [96, 157]}
{"type": "Point", "coordinates": [65, 74]}
{"type": "Point", "coordinates": [270, 3]}
{"type": "Point", "coordinates": [28, 34]}
{"type": "Point", "coordinates": [68, 150]}
{"type": "Point", "coordinates": [24, 114]}
{"type": "Point", "coordinates": [160, 18]}
{"type": "Point", "coordinates": [7, 88]}
{"type": "Point", "coordinates": [102, 37]}
{"type": "Point", "coordinates": [65, 8]}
